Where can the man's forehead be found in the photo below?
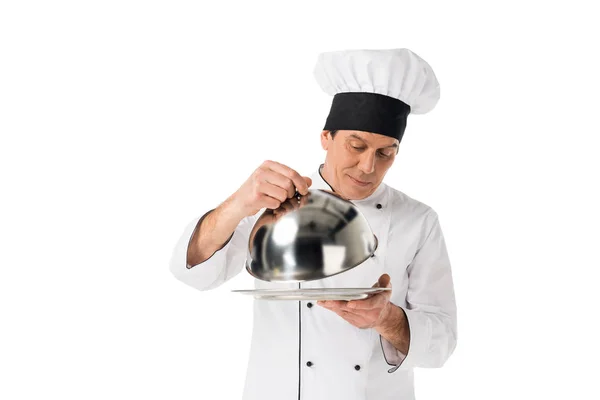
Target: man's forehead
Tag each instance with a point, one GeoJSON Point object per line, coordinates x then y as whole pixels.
{"type": "Point", "coordinates": [375, 139]}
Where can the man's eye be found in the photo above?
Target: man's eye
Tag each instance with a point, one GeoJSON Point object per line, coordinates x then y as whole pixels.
{"type": "Point", "coordinates": [384, 155]}
{"type": "Point", "coordinates": [357, 148]}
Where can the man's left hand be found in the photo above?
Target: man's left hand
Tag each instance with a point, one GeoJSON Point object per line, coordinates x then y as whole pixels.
{"type": "Point", "coordinates": [366, 313]}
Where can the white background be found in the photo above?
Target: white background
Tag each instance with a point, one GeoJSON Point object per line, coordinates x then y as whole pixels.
{"type": "Point", "coordinates": [121, 121]}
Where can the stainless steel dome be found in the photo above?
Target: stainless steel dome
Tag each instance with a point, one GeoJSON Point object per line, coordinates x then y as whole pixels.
{"type": "Point", "coordinates": [309, 237]}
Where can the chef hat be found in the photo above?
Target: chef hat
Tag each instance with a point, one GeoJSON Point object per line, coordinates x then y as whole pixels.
{"type": "Point", "coordinates": [375, 90]}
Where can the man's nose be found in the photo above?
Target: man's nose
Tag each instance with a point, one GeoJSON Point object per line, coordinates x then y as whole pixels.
{"type": "Point", "coordinates": [367, 163]}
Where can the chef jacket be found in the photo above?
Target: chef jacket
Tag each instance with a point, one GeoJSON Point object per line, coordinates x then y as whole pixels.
{"type": "Point", "coordinates": [300, 350]}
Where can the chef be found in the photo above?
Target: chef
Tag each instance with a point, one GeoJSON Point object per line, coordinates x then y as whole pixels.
{"type": "Point", "coordinates": [350, 350]}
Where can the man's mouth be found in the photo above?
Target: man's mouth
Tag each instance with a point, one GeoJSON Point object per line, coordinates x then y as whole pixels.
{"type": "Point", "coordinates": [360, 183]}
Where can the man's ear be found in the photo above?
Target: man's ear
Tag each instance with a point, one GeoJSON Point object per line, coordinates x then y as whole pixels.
{"type": "Point", "coordinates": [325, 136]}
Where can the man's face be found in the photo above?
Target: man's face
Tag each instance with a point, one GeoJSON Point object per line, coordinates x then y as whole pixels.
{"type": "Point", "coordinates": [357, 161]}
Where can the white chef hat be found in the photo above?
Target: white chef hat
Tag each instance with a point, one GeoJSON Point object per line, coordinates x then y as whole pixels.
{"type": "Point", "coordinates": [375, 90]}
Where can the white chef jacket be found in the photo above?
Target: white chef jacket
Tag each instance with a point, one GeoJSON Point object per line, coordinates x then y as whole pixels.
{"type": "Point", "coordinates": [300, 350]}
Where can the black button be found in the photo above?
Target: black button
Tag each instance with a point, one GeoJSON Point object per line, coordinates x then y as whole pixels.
{"type": "Point", "coordinates": [357, 367]}
{"type": "Point", "coordinates": [309, 364]}
{"type": "Point", "coordinates": [309, 305]}
{"type": "Point", "coordinates": [379, 206]}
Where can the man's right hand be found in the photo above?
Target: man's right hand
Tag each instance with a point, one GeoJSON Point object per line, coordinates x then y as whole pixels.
{"type": "Point", "coordinates": [268, 187]}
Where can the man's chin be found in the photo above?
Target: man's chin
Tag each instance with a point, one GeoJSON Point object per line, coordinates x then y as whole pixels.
{"type": "Point", "coordinates": [355, 193]}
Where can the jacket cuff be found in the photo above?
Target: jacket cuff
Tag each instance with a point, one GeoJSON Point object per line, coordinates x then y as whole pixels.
{"type": "Point", "coordinates": [392, 356]}
{"type": "Point", "coordinates": [205, 275]}
{"type": "Point", "coordinates": [419, 333]}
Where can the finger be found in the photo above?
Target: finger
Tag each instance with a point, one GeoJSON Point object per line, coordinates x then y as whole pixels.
{"type": "Point", "coordinates": [308, 181]}
{"type": "Point", "coordinates": [385, 281]}
{"type": "Point", "coordinates": [348, 316]}
{"type": "Point", "coordinates": [368, 304]}
{"type": "Point", "coordinates": [270, 203]}
{"type": "Point", "coordinates": [277, 179]}
{"type": "Point", "coordinates": [325, 303]}
{"type": "Point", "coordinates": [332, 303]}
{"type": "Point", "coordinates": [267, 199]}
{"type": "Point", "coordinates": [343, 313]}
{"type": "Point", "coordinates": [298, 181]}
{"type": "Point", "coordinates": [276, 192]}
{"type": "Point", "coordinates": [353, 319]}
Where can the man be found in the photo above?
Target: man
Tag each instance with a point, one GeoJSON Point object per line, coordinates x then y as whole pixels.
{"type": "Point", "coordinates": [343, 350]}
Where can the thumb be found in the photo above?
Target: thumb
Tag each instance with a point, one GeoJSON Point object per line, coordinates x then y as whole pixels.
{"type": "Point", "coordinates": [384, 281]}
{"type": "Point", "coordinates": [308, 180]}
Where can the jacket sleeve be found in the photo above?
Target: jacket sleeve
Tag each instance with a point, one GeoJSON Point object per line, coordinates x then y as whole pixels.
{"type": "Point", "coordinates": [223, 265]}
{"type": "Point", "coordinates": [431, 306]}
